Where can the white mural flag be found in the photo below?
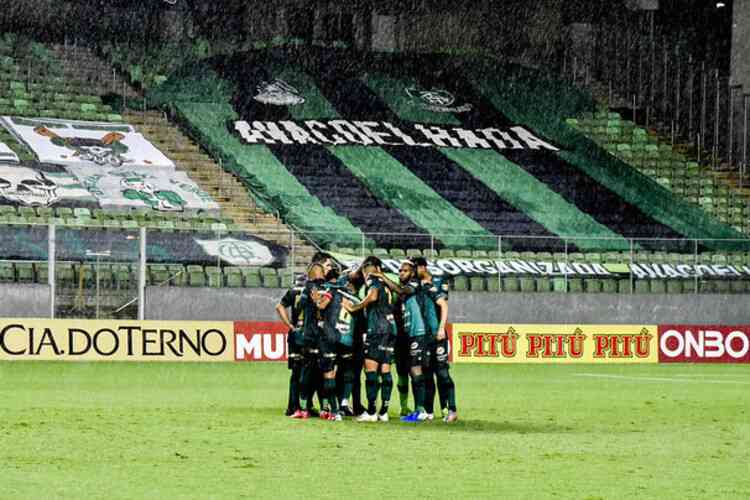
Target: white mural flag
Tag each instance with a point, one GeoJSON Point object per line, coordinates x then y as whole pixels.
{"type": "Point", "coordinates": [161, 190]}
{"type": "Point", "coordinates": [86, 143]}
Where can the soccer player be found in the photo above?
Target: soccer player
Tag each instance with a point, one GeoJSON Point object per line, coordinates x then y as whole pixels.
{"type": "Point", "coordinates": [401, 347]}
{"type": "Point", "coordinates": [378, 344]}
{"type": "Point", "coordinates": [293, 321]}
{"type": "Point", "coordinates": [359, 319]}
{"type": "Point", "coordinates": [336, 343]}
{"type": "Point", "coordinates": [310, 299]}
{"type": "Point", "coordinates": [412, 328]}
{"type": "Point", "coordinates": [433, 302]}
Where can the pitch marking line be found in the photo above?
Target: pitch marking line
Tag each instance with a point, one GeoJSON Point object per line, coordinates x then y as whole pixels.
{"type": "Point", "coordinates": [661, 379]}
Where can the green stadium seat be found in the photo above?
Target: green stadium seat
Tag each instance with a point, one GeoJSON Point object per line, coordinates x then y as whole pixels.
{"type": "Point", "coordinates": [674, 286]}
{"type": "Point", "coordinates": [722, 286]}
{"type": "Point", "coordinates": [287, 278]}
{"type": "Point", "coordinates": [270, 277]}
{"type": "Point", "coordinates": [7, 273]}
{"type": "Point", "coordinates": [215, 277]}
{"type": "Point", "coordinates": [196, 276]}
{"type": "Point", "coordinates": [543, 284]}
{"type": "Point", "coordinates": [657, 286]}
{"type": "Point", "coordinates": [25, 272]}
{"type": "Point", "coordinates": [511, 284]}
{"type": "Point", "coordinates": [493, 284]}
{"type": "Point", "coordinates": [477, 284]}
{"type": "Point", "coordinates": [64, 274]}
{"type": "Point", "coordinates": [414, 252]}
{"type": "Point", "coordinates": [233, 279]}
{"type": "Point", "coordinates": [559, 285]}
{"type": "Point", "coordinates": [460, 284]}
{"type": "Point", "coordinates": [527, 285]}
{"type": "Point", "coordinates": [575, 285]}
{"type": "Point", "coordinates": [397, 253]}
{"type": "Point", "coordinates": [42, 272]}
{"type": "Point", "coordinates": [592, 285]}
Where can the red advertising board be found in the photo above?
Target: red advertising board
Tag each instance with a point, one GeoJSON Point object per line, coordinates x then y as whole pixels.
{"type": "Point", "coordinates": [704, 344]}
{"type": "Point", "coordinates": [260, 341]}
{"type": "Point", "coordinates": [266, 341]}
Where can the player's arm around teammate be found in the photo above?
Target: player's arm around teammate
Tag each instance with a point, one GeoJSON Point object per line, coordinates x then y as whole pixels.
{"type": "Point", "coordinates": [378, 344]}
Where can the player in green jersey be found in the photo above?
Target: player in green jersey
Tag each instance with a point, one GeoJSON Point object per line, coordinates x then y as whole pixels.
{"type": "Point", "coordinates": [378, 344]}
{"type": "Point", "coordinates": [412, 329]}
{"type": "Point", "coordinates": [433, 301]}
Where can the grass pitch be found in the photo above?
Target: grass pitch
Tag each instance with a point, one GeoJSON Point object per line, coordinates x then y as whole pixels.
{"type": "Point", "coordinates": [217, 431]}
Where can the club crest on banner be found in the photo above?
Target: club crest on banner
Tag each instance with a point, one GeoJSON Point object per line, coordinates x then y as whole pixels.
{"type": "Point", "coordinates": [107, 151]}
{"type": "Point", "coordinates": [436, 100]}
{"type": "Point", "coordinates": [278, 93]}
{"type": "Point", "coordinates": [238, 252]}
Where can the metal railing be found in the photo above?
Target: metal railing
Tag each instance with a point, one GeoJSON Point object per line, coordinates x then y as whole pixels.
{"type": "Point", "coordinates": [105, 273]}
{"type": "Point", "coordinates": [653, 79]}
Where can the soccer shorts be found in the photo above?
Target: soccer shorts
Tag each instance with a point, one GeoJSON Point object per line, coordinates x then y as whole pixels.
{"type": "Point", "coordinates": [438, 354]}
{"type": "Point", "coordinates": [327, 355]}
{"type": "Point", "coordinates": [379, 348]}
{"type": "Point", "coordinates": [418, 351]}
{"type": "Point", "coordinates": [295, 358]}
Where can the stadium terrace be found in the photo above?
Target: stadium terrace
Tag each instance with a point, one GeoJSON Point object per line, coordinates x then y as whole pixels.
{"type": "Point", "coordinates": [371, 133]}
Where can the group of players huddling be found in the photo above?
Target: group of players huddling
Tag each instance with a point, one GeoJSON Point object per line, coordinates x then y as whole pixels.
{"type": "Point", "coordinates": [333, 335]}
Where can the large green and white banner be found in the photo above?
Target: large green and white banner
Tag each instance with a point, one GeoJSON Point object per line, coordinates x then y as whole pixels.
{"type": "Point", "coordinates": [33, 184]}
{"type": "Point", "coordinates": [138, 187]}
{"type": "Point", "coordinates": [86, 143]}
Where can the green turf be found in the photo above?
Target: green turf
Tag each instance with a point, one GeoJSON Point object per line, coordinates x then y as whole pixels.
{"type": "Point", "coordinates": [216, 431]}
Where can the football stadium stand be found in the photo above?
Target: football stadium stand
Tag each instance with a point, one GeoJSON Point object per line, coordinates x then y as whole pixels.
{"type": "Point", "coordinates": [452, 158]}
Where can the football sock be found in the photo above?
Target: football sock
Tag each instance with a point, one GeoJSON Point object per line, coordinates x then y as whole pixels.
{"type": "Point", "coordinates": [447, 389]}
{"type": "Point", "coordinates": [386, 384]}
{"type": "Point", "coordinates": [429, 392]}
{"type": "Point", "coordinates": [294, 390]}
{"type": "Point", "coordinates": [417, 385]}
{"type": "Point", "coordinates": [347, 381]}
{"type": "Point", "coordinates": [306, 388]}
{"type": "Point", "coordinates": [403, 390]}
{"type": "Point", "coordinates": [329, 388]}
{"type": "Point", "coordinates": [371, 386]}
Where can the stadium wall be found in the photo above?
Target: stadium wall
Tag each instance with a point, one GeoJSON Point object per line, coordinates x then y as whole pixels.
{"type": "Point", "coordinates": [24, 301]}
{"type": "Point", "coordinates": [258, 305]}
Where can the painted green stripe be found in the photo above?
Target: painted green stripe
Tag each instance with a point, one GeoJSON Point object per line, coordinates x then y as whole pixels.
{"type": "Point", "coordinates": [258, 167]}
{"type": "Point", "coordinates": [388, 178]}
{"type": "Point", "coordinates": [508, 180]}
{"type": "Point", "coordinates": [632, 186]}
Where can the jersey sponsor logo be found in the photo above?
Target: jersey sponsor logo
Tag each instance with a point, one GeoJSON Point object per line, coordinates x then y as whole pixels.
{"type": "Point", "coordinates": [278, 93]}
{"type": "Point", "coordinates": [436, 100]}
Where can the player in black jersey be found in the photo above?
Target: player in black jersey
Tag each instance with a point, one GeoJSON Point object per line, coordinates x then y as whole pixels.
{"type": "Point", "coordinates": [378, 344]}
{"type": "Point", "coordinates": [310, 298]}
{"type": "Point", "coordinates": [293, 322]}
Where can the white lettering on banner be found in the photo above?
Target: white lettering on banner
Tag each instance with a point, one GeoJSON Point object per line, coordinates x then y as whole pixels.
{"type": "Point", "coordinates": [260, 346]}
{"type": "Point", "coordinates": [368, 133]}
{"type": "Point", "coordinates": [704, 344]}
{"type": "Point", "coordinates": [486, 267]}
